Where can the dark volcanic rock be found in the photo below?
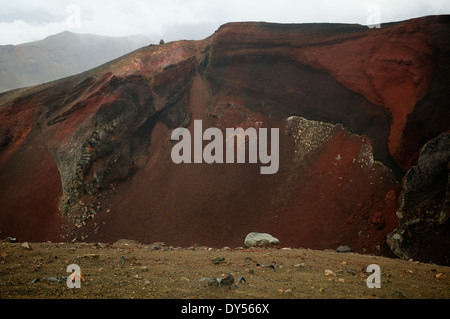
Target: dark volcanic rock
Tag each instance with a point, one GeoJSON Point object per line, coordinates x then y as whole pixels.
{"type": "Point", "coordinates": [424, 228]}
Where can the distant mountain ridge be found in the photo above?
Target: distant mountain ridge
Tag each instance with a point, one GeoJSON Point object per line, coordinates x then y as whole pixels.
{"type": "Point", "coordinates": [59, 56]}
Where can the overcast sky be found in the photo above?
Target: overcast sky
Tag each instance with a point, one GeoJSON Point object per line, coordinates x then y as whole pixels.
{"type": "Point", "coordinates": [29, 20]}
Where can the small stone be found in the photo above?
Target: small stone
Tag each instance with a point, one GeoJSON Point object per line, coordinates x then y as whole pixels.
{"type": "Point", "coordinates": [343, 249]}
{"type": "Point", "coordinates": [398, 293]}
{"type": "Point", "coordinates": [329, 272]}
{"type": "Point", "coordinates": [157, 246]}
{"type": "Point", "coordinates": [11, 239]}
{"type": "Point", "coordinates": [54, 279]}
{"type": "Point", "coordinates": [349, 271]}
{"type": "Point", "coordinates": [218, 260]}
{"type": "Point", "coordinates": [227, 281]}
{"type": "Point", "coordinates": [241, 279]}
{"type": "Point", "coordinates": [144, 268]}
{"type": "Point", "coordinates": [26, 245]}
{"type": "Point", "coordinates": [210, 281]}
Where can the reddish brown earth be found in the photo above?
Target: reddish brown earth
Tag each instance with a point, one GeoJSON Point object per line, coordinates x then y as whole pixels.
{"type": "Point", "coordinates": [88, 157]}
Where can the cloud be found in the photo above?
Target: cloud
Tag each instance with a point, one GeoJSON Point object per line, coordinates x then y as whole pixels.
{"type": "Point", "coordinates": [24, 20]}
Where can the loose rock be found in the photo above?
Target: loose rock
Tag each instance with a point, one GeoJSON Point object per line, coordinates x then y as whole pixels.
{"type": "Point", "coordinates": [221, 281]}
{"type": "Point", "coordinates": [26, 245]}
{"type": "Point", "coordinates": [329, 272]}
{"type": "Point", "coordinates": [218, 260]}
{"type": "Point", "coordinates": [270, 266]}
{"type": "Point", "coordinates": [399, 294]}
{"type": "Point", "coordinates": [54, 279]}
{"type": "Point", "coordinates": [343, 249]}
{"type": "Point", "coordinates": [241, 279]}
{"type": "Point", "coordinates": [227, 281]}
{"type": "Point", "coordinates": [260, 239]}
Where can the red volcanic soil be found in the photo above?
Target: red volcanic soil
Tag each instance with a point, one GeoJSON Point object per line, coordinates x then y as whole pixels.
{"type": "Point", "coordinates": [395, 73]}
{"type": "Point", "coordinates": [88, 157]}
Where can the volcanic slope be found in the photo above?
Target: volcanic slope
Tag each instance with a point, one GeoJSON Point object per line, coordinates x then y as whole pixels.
{"type": "Point", "coordinates": [89, 157]}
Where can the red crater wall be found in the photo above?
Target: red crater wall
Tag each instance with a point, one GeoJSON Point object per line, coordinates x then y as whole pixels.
{"type": "Point", "coordinates": [88, 157]}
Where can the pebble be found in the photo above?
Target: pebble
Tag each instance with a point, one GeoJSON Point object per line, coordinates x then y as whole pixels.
{"type": "Point", "coordinates": [221, 281]}
{"type": "Point", "coordinates": [271, 266]}
{"type": "Point", "coordinates": [54, 279]}
{"type": "Point", "coordinates": [228, 280]}
{"type": "Point", "coordinates": [349, 271]}
{"type": "Point", "coordinates": [158, 246]}
{"type": "Point", "coordinates": [398, 293]}
{"type": "Point", "coordinates": [26, 245]}
{"type": "Point", "coordinates": [218, 260]}
{"type": "Point", "coordinates": [329, 272]}
{"type": "Point", "coordinates": [144, 268]}
{"type": "Point", "coordinates": [343, 249]}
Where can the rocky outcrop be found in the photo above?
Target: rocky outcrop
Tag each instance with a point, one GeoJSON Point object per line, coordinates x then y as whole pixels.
{"type": "Point", "coordinates": [424, 230]}
{"type": "Point", "coordinates": [88, 157]}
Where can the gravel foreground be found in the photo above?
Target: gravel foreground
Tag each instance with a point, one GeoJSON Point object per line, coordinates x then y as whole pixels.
{"type": "Point", "coordinates": [130, 270]}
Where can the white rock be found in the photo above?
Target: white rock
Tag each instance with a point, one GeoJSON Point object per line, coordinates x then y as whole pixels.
{"type": "Point", "coordinates": [260, 239]}
{"type": "Point", "coordinates": [26, 245]}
